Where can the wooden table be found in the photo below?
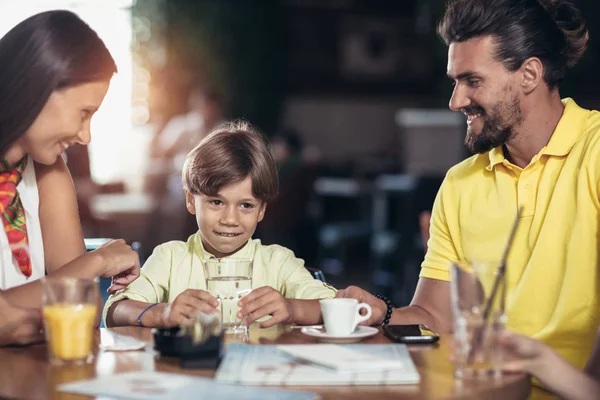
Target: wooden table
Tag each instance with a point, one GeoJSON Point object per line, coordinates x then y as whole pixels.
{"type": "Point", "coordinates": [26, 373]}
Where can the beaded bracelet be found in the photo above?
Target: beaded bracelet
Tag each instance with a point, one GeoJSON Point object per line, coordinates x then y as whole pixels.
{"type": "Point", "coordinates": [390, 308]}
{"type": "Point", "coordinates": [139, 318]}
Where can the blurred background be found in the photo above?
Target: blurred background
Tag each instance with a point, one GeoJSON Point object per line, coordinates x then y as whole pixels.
{"type": "Point", "coordinates": [352, 93]}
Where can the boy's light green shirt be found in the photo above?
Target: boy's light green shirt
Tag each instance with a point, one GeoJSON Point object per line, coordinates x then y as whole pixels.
{"type": "Point", "coordinates": [176, 266]}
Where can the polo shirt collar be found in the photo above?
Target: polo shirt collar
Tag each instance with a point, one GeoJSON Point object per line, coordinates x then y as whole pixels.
{"type": "Point", "coordinates": [496, 157]}
{"type": "Point", "coordinates": [568, 130]}
{"type": "Point", "coordinates": [570, 126]}
{"type": "Point", "coordinates": [247, 251]}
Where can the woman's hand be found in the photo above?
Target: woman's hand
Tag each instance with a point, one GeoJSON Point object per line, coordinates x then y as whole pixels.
{"type": "Point", "coordinates": [523, 354]}
{"type": "Point", "coordinates": [553, 372]}
{"type": "Point", "coordinates": [119, 262]}
{"type": "Point", "coordinates": [19, 326]}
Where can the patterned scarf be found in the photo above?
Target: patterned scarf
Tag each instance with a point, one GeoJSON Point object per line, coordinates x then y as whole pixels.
{"type": "Point", "coordinates": [13, 213]}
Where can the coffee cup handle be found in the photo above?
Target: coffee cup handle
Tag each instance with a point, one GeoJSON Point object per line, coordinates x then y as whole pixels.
{"type": "Point", "coordinates": [361, 318]}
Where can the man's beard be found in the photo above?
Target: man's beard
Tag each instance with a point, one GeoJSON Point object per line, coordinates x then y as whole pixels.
{"type": "Point", "coordinates": [496, 129]}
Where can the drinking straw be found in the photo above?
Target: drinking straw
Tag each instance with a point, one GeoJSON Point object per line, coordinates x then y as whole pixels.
{"type": "Point", "coordinates": [500, 278]}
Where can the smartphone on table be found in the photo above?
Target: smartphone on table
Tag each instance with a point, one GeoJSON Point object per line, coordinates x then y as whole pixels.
{"type": "Point", "coordinates": [410, 334]}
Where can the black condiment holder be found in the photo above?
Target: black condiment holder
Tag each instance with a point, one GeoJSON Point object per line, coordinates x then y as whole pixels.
{"type": "Point", "coordinates": [171, 342]}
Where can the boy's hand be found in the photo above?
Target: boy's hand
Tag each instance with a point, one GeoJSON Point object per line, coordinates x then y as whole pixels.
{"type": "Point", "coordinates": [181, 311]}
{"type": "Point", "coordinates": [265, 301]}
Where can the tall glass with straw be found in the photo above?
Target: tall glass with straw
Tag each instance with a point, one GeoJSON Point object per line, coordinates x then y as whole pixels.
{"type": "Point", "coordinates": [475, 332]}
{"type": "Point", "coordinates": [478, 296]}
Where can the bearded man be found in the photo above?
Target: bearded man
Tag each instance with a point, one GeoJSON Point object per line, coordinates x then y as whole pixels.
{"type": "Point", "coordinates": [533, 151]}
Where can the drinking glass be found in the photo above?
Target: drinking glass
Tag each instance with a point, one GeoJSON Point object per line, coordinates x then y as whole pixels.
{"type": "Point", "coordinates": [477, 319]}
{"type": "Point", "coordinates": [69, 311]}
{"type": "Point", "coordinates": [229, 279]}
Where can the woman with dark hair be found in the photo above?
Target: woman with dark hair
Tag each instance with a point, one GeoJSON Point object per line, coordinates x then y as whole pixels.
{"type": "Point", "coordinates": [54, 74]}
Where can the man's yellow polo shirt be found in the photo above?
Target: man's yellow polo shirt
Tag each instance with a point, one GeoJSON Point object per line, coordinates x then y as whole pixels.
{"type": "Point", "coordinates": [552, 280]}
{"type": "Point", "coordinates": [176, 266]}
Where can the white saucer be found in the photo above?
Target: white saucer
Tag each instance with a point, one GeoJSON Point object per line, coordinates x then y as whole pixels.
{"type": "Point", "coordinates": [320, 333]}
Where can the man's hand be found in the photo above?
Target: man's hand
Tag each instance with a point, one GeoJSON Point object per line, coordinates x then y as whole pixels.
{"type": "Point", "coordinates": [378, 306]}
{"type": "Point", "coordinates": [185, 306]}
{"type": "Point", "coordinates": [265, 301]}
{"type": "Point", "coordinates": [19, 326]}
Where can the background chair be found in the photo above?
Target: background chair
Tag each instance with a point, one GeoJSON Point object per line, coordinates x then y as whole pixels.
{"type": "Point", "coordinates": [317, 274]}
{"type": "Point", "coordinates": [92, 244]}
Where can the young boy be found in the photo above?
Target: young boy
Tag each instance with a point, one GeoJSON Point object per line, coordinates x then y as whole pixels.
{"type": "Point", "coordinates": [228, 179]}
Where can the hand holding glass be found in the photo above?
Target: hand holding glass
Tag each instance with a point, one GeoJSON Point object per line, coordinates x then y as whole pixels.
{"type": "Point", "coordinates": [228, 280]}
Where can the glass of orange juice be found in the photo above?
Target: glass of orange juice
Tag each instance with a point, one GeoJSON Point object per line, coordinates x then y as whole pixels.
{"type": "Point", "coordinates": [69, 310]}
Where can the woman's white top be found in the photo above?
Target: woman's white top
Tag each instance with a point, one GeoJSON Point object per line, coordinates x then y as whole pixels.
{"type": "Point", "coordinates": [10, 274]}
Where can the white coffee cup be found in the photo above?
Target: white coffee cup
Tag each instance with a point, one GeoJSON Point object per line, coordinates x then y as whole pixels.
{"type": "Point", "coordinates": [341, 316]}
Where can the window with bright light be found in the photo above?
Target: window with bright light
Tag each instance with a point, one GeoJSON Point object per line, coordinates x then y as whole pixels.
{"type": "Point", "coordinates": [114, 150]}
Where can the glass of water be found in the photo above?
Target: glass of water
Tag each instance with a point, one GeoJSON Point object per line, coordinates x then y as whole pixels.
{"type": "Point", "coordinates": [229, 279]}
